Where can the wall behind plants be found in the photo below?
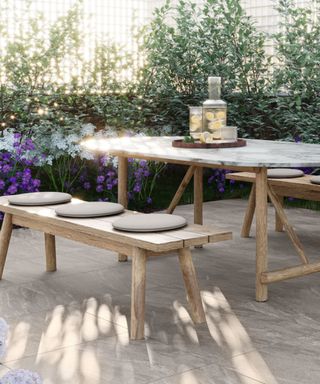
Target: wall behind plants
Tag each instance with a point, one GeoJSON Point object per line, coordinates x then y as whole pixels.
{"type": "Point", "coordinates": [183, 45]}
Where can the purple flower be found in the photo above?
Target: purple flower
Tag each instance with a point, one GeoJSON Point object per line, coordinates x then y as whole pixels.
{"type": "Point", "coordinates": [6, 156]}
{"type": "Point", "coordinates": [17, 136]}
{"type": "Point", "coordinates": [86, 185]}
{"type": "Point", "coordinates": [12, 189]}
{"type": "Point", "coordinates": [143, 163]}
{"type": "Point", "coordinates": [99, 188]}
{"type": "Point", "coordinates": [2, 184]}
{"type": "Point", "coordinates": [100, 179]}
{"type": "Point", "coordinates": [149, 200]}
{"type": "Point", "coordinates": [36, 183]}
{"type": "Point", "coordinates": [109, 186]}
{"type": "Point", "coordinates": [137, 188]}
{"type": "Point", "coordinates": [6, 168]}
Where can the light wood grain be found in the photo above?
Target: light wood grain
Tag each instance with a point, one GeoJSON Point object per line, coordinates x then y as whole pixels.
{"type": "Point", "coordinates": [138, 288]}
{"type": "Point", "coordinates": [182, 187]}
{"type": "Point", "coordinates": [44, 219]}
{"type": "Point", "coordinates": [290, 273]}
{"type": "Point", "coordinates": [198, 195]}
{"type": "Point", "coordinates": [248, 218]}
{"type": "Point", "coordinates": [298, 187]}
{"type": "Point", "coordinates": [261, 233]}
{"type": "Point", "coordinates": [278, 223]}
{"type": "Point", "coordinates": [50, 249]}
{"type": "Point", "coordinates": [122, 191]}
{"type": "Point", "coordinates": [192, 287]}
{"type": "Point", "coordinates": [5, 236]}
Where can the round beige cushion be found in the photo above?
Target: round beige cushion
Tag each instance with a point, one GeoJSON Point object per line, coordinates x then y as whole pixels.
{"type": "Point", "coordinates": [40, 198]}
{"type": "Point", "coordinates": [89, 209]}
{"type": "Point", "coordinates": [284, 173]}
{"type": "Point", "coordinates": [315, 179]}
{"type": "Point", "coordinates": [152, 222]}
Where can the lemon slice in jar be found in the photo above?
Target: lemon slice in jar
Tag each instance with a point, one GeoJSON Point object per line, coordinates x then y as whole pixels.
{"type": "Point", "coordinates": [221, 115]}
{"type": "Point", "coordinates": [209, 116]}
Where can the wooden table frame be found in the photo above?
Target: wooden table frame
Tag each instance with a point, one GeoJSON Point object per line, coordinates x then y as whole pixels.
{"type": "Point", "coordinates": [260, 194]}
{"type": "Point", "coordinates": [256, 157]}
{"type": "Point", "coordinates": [196, 171]}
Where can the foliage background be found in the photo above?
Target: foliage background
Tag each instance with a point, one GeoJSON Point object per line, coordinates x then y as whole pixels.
{"type": "Point", "coordinates": [268, 97]}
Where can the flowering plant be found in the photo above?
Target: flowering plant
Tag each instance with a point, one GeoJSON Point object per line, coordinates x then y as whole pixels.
{"type": "Point", "coordinates": [21, 376]}
{"type": "Point", "coordinates": [16, 162]}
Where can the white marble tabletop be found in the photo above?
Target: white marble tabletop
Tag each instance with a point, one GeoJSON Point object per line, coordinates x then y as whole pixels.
{"type": "Point", "coordinates": [257, 153]}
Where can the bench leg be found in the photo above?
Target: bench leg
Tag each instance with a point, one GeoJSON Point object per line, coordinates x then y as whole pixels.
{"type": "Point", "coordinates": [123, 190]}
{"type": "Point", "coordinates": [138, 291]}
{"type": "Point", "coordinates": [278, 223]}
{"type": "Point", "coordinates": [191, 284]}
{"type": "Point", "coordinates": [247, 222]}
{"type": "Point", "coordinates": [5, 236]}
{"type": "Point", "coordinates": [50, 247]}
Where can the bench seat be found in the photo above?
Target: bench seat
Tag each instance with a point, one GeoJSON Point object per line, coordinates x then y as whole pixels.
{"type": "Point", "coordinates": [100, 233]}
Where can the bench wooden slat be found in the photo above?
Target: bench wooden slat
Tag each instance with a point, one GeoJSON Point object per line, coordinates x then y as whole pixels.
{"type": "Point", "coordinates": [302, 182]}
{"type": "Point", "coordinates": [44, 219]}
{"type": "Point", "coordinates": [298, 187]}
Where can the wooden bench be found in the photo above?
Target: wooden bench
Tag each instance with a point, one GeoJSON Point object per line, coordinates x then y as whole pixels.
{"type": "Point", "coordinates": [100, 233]}
{"type": "Point", "coordinates": [300, 188]}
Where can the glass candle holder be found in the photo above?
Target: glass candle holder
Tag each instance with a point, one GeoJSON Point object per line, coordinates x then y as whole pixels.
{"type": "Point", "coordinates": [229, 133]}
{"type": "Point", "coordinates": [195, 121]}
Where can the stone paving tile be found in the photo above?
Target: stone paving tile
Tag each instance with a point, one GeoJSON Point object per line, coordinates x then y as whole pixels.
{"type": "Point", "coordinates": [72, 325]}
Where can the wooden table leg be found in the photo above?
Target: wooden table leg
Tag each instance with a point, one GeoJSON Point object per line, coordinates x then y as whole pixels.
{"type": "Point", "coordinates": [278, 224]}
{"type": "Point", "coordinates": [198, 195]}
{"type": "Point", "coordinates": [261, 233]}
{"type": "Point", "coordinates": [247, 222]}
{"type": "Point", "coordinates": [191, 284]}
{"type": "Point", "coordinates": [138, 288]}
{"type": "Point", "coordinates": [182, 187]}
{"type": "Point", "coordinates": [123, 190]}
{"type": "Point", "coordinates": [50, 247]}
{"type": "Point", "coordinates": [5, 236]}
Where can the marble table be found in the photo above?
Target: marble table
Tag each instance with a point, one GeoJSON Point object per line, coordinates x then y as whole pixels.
{"type": "Point", "coordinates": [256, 157]}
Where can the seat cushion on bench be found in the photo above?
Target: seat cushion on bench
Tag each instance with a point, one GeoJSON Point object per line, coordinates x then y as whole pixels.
{"type": "Point", "coordinates": [284, 173]}
{"type": "Point", "coordinates": [89, 209]}
{"type": "Point", "coordinates": [315, 179]}
{"type": "Point", "coordinates": [40, 198]}
{"type": "Point", "coordinates": [152, 222]}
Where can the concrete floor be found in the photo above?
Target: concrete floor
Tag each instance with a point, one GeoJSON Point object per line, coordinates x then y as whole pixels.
{"type": "Point", "coordinates": [71, 326]}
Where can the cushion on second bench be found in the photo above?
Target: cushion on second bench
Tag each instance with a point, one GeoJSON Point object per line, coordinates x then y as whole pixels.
{"type": "Point", "coordinates": [284, 173]}
{"type": "Point", "coordinates": [40, 198]}
{"type": "Point", "coordinates": [315, 179]}
{"type": "Point", "coordinates": [151, 222]}
{"type": "Point", "coordinates": [89, 209]}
